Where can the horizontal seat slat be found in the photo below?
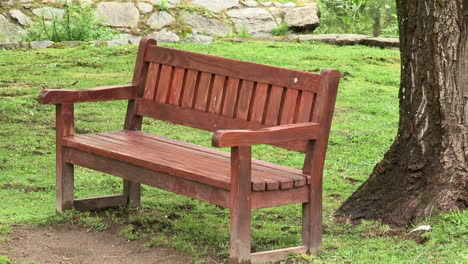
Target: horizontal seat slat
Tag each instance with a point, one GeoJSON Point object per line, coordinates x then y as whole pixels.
{"type": "Point", "coordinates": [234, 68]}
{"type": "Point", "coordinates": [181, 159]}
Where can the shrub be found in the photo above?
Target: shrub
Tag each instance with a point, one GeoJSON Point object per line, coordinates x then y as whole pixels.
{"type": "Point", "coordinates": [79, 23]}
{"type": "Point", "coordinates": [281, 30]}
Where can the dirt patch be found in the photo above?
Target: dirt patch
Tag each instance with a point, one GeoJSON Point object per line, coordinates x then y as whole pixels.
{"type": "Point", "coordinates": [74, 245]}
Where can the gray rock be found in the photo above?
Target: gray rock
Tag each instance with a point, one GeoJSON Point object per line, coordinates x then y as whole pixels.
{"type": "Point", "coordinates": [335, 39]}
{"type": "Point", "coordinates": [304, 17]}
{"type": "Point", "coordinates": [19, 16]}
{"type": "Point", "coordinates": [200, 39]}
{"type": "Point", "coordinates": [6, 3]}
{"type": "Point", "coordinates": [257, 21]}
{"type": "Point", "coordinates": [41, 44]}
{"type": "Point", "coordinates": [266, 4]}
{"type": "Point", "coordinates": [86, 2]}
{"type": "Point", "coordinates": [49, 12]}
{"type": "Point", "coordinates": [145, 7]}
{"type": "Point", "coordinates": [165, 36]}
{"type": "Point", "coordinates": [134, 40]}
{"type": "Point", "coordinates": [25, 1]}
{"type": "Point", "coordinates": [277, 12]}
{"type": "Point", "coordinates": [117, 42]}
{"type": "Point", "coordinates": [217, 5]}
{"type": "Point", "coordinates": [10, 45]}
{"type": "Point", "coordinates": [277, 4]}
{"type": "Point", "coordinates": [381, 42]}
{"type": "Point", "coordinates": [160, 19]}
{"type": "Point", "coordinates": [118, 14]}
{"type": "Point", "coordinates": [170, 3]}
{"type": "Point", "coordinates": [9, 32]}
{"type": "Point", "coordinates": [250, 3]}
{"type": "Point", "coordinates": [289, 4]}
{"type": "Point", "coordinates": [206, 25]}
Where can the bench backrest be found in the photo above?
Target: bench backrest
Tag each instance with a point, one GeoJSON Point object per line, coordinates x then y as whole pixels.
{"type": "Point", "coordinates": [213, 93]}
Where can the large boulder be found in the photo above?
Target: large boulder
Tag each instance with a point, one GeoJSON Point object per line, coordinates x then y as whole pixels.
{"type": "Point", "coordinates": [160, 19]}
{"type": "Point", "coordinates": [165, 36]}
{"type": "Point", "coordinates": [257, 21]}
{"type": "Point", "coordinates": [303, 17]}
{"type": "Point", "coordinates": [204, 25]}
{"type": "Point", "coordinates": [118, 14]}
{"type": "Point", "coordinates": [19, 16]}
{"type": "Point", "coordinates": [49, 12]}
{"type": "Point", "coordinates": [9, 32]}
{"type": "Point", "coordinates": [217, 5]}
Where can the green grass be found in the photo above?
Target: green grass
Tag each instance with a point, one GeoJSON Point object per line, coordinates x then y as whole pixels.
{"type": "Point", "coordinates": [364, 126]}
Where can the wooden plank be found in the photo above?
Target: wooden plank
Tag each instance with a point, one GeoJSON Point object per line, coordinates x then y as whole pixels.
{"type": "Point", "coordinates": [230, 99]}
{"type": "Point", "coordinates": [273, 106]}
{"type": "Point", "coordinates": [140, 63]}
{"type": "Point", "coordinates": [234, 68]}
{"type": "Point", "coordinates": [259, 101]}
{"type": "Point", "coordinates": [151, 81]}
{"type": "Point", "coordinates": [243, 104]}
{"type": "Point", "coordinates": [189, 88]}
{"type": "Point", "coordinates": [305, 107]}
{"type": "Point", "coordinates": [247, 137]}
{"type": "Point", "coordinates": [65, 96]}
{"type": "Point", "coordinates": [276, 255]}
{"type": "Point", "coordinates": [240, 204]}
{"type": "Point", "coordinates": [203, 120]}
{"type": "Point", "coordinates": [164, 84]}
{"type": "Point", "coordinates": [176, 87]}
{"type": "Point", "coordinates": [99, 203]}
{"type": "Point", "coordinates": [132, 193]}
{"type": "Point", "coordinates": [201, 100]}
{"type": "Point", "coordinates": [216, 97]}
{"type": "Point", "coordinates": [289, 107]}
{"type": "Point", "coordinates": [149, 177]}
{"type": "Point", "coordinates": [64, 186]}
{"type": "Point", "coordinates": [280, 197]}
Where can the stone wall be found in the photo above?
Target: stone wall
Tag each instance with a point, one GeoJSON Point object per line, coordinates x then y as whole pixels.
{"type": "Point", "coordinates": [169, 21]}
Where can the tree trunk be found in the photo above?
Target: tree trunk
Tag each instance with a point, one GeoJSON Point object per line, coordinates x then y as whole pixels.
{"type": "Point", "coordinates": [425, 170]}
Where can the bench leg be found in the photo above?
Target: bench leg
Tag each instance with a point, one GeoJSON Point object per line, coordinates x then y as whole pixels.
{"type": "Point", "coordinates": [64, 186]}
{"type": "Point", "coordinates": [240, 205]}
{"type": "Point", "coordinates": [312, 222]}
{"type": "Point", "coordinates": [132, 191]}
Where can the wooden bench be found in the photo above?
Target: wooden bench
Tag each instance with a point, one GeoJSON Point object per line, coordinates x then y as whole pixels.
{"type": "Point", "coordinates": [245, 103]}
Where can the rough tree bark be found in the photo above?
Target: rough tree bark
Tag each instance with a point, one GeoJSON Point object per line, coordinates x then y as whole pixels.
{"type": "Point", "coordinates": [425, 170]}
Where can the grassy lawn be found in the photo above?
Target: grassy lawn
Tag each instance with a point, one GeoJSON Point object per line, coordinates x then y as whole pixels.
{"type": "Point", "coordinates": [363, 128]}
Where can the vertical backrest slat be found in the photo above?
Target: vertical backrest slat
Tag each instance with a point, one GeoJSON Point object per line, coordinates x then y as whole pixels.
{"type": "Point", "coordinates": [289, 106]}
{"type": "Point", "coordinates": [258, 102]}
{"type": "Point", "coordinates": [164, 83]}
{"type": "Point", "coordinates": [203, 90]}
{"type": "Point", "coordinates": [231, 97]}
{"type": "Point", "coordinates": [305, 107]}
{"type": "Point", "coordinates": [189, 88]}
{"type": "Point", "coordinates": [273, 106]}
{"type": "Point", "coordinates": [151, 81]}
{"type": "Point", "coordinates": [176, 86]}
{"type": "Point", "coordinates": [243, 103]}
{"type": "Point", "coordinates": [217, 92]}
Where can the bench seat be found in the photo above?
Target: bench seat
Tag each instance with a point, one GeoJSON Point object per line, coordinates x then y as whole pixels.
{"type": "Point", "coordinates": [181, 159]}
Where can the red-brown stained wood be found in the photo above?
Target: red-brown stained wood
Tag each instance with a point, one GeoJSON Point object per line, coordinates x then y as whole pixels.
{"type": "Point", "coordinates": [305, 107]}
{"type": "Point", "coordinates": [140, 63]}
{"type": "Point", "coordinates": [231, 97]}
{"type": "Point", "coordinates": [243, 103]}
{"type": "Point", "coordinates": [277, 134]}
{"type": "Point", "coordinates": [164, 84]}
{"type": "Point", "coordinates": [189, 88]}
{"type": "Point", "coordinates": [151, 81]}
{"type": "Point", "coordinates": [176, 87]}
{"type": "Point", "coordinates": [289, 107]}
{"type": "Point", "coordinates": [203, 91]}
{"type": "Point", "coordinates": [240, 204]}
{"type": "Point", "coordinates": [216, 97]}
{"type": "Point", "coordinates": [273, 106]}
{"type": "Point", "coordinates": [234, 68]}
{"type": "Point", "coordinates": [64, 96]}
{"type": "Point", "coordinates": [100, 202]}
{"type": "Point", "coordinates": [259, 101]}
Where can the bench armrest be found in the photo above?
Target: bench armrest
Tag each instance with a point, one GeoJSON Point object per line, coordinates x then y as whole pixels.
{"type": "Point", "coordinates": [62, 96]}
{"type": "Point", "coordinates": [269, 135]}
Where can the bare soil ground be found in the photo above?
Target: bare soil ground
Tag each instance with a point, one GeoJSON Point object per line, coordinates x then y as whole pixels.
{"type": "Point", "coordinates": [75, 245]}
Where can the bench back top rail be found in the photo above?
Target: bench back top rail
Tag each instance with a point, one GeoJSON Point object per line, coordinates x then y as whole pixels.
{"type": "Point", "coordinates": [212, 93]}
